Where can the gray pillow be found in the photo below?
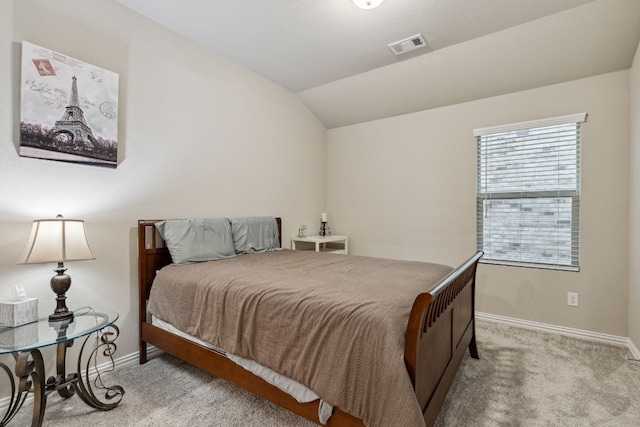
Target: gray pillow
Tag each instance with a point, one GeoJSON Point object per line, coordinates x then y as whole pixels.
{"type": "Point", "coordinates": [255, 234]}
{"type": "Point", "coordinates": [197, 240]}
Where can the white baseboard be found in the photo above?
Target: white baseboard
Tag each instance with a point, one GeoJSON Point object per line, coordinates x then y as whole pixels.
{"type": "Point", "coordinates": [130, 359]}
{"type": "Point", "coordinates": [562, 330]}
{"type": "Point", "coordinates": [634, 350]}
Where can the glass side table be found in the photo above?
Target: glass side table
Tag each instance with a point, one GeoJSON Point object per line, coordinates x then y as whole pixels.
{"type": "Point", "coordinates": [24, 343]}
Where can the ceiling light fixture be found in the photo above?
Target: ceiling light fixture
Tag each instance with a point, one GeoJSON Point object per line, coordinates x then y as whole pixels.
{"type": "Point", "coordinates": [367, 4]}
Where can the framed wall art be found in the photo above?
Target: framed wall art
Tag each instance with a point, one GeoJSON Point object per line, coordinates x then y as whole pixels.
{"type": "Point", "coordinates": [68, 109]}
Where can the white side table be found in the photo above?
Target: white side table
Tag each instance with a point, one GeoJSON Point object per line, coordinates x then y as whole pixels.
{"type": "Point", "coordinates": [320, 243]}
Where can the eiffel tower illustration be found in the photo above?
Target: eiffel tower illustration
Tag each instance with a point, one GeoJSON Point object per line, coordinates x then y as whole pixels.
{"type": "Point", "coordinates": [73, 124]}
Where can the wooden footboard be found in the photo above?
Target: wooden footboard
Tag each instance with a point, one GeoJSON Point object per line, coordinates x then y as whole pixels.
{"type": "Point", "coordinates": [440, 328]}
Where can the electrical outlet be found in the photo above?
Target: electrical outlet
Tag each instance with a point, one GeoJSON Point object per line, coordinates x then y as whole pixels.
{"type": "Point", "coordinates": [572, 299]}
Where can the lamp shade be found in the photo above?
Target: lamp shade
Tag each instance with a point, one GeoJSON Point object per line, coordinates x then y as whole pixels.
{"type": "Point", "coordinates": [57, 240]}
{"type": "Point", "coordinates": [367, 4]}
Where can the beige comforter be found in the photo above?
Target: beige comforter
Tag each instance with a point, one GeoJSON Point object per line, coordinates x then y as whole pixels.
{"type": "Point", "coordinates": [334, 323]}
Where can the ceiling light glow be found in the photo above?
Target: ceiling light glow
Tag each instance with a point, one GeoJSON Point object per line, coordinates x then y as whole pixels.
{"type": "Point", "coordinates": [367, 4]}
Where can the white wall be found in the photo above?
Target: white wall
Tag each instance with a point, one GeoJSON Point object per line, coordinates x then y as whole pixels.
{"type": "Point", "coordinates": [404, 187]}
{"type": "Point", "coordinates": [634, 252]}
{"type": "Point", "coordinates": [198, 136]}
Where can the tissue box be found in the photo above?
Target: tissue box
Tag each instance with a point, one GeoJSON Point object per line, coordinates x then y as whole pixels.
{"type": "Point", "coordinates": [18, 338]}
{"type": "Point", "coordinates": [19, 312]}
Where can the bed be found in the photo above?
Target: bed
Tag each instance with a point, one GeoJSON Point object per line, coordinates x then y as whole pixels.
{"type": "Point", "coordinates": [439, 328]}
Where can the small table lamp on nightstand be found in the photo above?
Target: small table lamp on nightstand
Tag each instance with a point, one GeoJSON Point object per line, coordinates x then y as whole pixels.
{"type": "Point", "coordinates": [58, 240]}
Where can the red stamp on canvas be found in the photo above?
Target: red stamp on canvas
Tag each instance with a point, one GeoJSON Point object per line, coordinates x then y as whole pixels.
{"type": "Point", "coordinates": [44, 67]}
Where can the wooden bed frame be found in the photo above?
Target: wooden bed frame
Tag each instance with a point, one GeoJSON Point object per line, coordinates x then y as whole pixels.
{"type": "Point", "coordinates": [441, 327]}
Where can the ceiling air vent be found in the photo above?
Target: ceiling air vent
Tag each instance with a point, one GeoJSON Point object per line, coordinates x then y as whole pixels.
{"type": "Point", "coordinates": [408, 44]}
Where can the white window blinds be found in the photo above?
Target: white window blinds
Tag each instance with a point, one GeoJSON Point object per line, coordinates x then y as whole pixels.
{"type": "Point", "coordinates": [528, 193]}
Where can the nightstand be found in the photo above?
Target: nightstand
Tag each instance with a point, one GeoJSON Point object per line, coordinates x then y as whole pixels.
{"type": "Point", "coordinates": [336, 244]}
{"type": "Point", "coordinates": [24, 344]}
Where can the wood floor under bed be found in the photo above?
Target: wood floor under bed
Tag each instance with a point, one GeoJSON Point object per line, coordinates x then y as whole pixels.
{"type": "Point", "coordinates": [441, 327]}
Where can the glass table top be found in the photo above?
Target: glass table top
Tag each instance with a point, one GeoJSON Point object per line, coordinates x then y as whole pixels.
{"type": "Point", "coordinates": [44, 333]}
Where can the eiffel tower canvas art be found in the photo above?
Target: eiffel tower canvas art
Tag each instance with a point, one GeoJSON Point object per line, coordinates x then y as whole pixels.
{"type": "Point", "coordinates": [69, 109]}
{"type": "Point", "coordinates": [72, 128]}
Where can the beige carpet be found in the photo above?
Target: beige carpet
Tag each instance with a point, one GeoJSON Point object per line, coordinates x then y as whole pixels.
{"type": "Point", "coordinates": [528, 378]}
{"type": "Point", "coordinates": [524, 378]}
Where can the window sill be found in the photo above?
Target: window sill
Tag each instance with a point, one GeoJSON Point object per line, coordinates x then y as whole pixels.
{"type": "Point", "coordinates": [530, 265]}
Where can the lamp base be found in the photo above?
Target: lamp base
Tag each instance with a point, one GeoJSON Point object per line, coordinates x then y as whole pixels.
{"type": "Point", "coordinates": [60, 326]}
{"type": "Point", "coordinates": [59, 317]}
{"type": "Point", "coordinates": [60, 284]}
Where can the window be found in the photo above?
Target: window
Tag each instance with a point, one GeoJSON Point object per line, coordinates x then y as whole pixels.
{"type": "Point", "coordinates": [528, 195]}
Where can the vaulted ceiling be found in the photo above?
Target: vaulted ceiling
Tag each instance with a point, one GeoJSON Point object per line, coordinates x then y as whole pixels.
{"type": "Point", "coordinates": [336, 58]}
